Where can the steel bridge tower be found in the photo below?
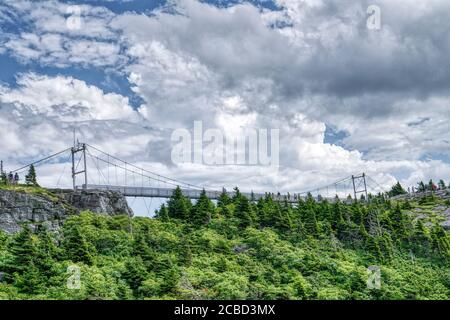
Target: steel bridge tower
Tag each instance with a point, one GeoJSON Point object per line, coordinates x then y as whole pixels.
{"type": "Point", "coordinates": [79, 148]}
{"type": "Point", "coordinates": [356, 190]}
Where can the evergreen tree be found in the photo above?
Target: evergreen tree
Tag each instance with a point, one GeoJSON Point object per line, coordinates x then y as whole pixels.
{"type": "Point", "coordinates": [75, 246]}
{"type": "Point", "coordinates": [442, 185]}
{"type": "Point", "coordinates": [46, 252]}
{"type": "Point", "coordinates": [162, 213]}
{"type": "Point", "coordinates": [30, 178]}
{"type": "Point", "coordinates": [186, 253]}
{"type": "Point", "coordinates": [171, 277]}
{"type": "Point", "coordinates": [237, 196]}
{"type": "Point", "coordinates": [224, 199]}
{"type": "Point", "coordinates": [440, 241]}
{"type": "Point", "coordinates": [397, 190]}
{"type": "Point", "coordinates": [281, 218]}
{"type": "Point", "coordinates": [135, 272]}
{"type": "Point", "coordinates": [244, 212]}
{"type": "Point", "coordinates": [23, 251]}
{"type": "Point", "coordinates": [421, 238]}
{"type": "Point", "coordinates": [142, 249]}
{"type": "Point", "coordinates": [3, 178]}
{"type": "Point", "coordinates": [310, 222]}
{"type": "Point", "coordinates": [421, 187]}
{"type": "Point", "coordinates": [178, 206]}
{"type": "Point", "coordinates": [399, 222]}
{"type": "Point", "coordinates": [202, 211]}
{"type": "Point", "coordinates": [337, 220]}
{"type": "Point", "coordinates": [374, 247]}
{"type": "Point", "coordinates": [30, 281]}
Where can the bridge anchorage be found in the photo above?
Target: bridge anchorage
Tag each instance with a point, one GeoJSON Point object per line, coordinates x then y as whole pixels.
{"type": "Point", "coordinates": [110, 173]}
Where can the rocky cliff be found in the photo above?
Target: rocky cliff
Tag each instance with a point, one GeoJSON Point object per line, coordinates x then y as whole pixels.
{"type": "Point", "coordinates": [52, 207]}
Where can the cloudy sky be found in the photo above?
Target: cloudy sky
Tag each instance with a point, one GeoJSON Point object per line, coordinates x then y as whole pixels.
{"type": "Point", "coordinates": [125, 74]}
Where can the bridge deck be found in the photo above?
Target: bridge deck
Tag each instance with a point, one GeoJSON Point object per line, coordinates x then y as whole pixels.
{"type": "Point", "coordinates": [151, 192]}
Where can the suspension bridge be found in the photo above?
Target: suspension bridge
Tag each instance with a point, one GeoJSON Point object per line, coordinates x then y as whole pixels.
{"type": "Point", "coordinates": [94, 169]}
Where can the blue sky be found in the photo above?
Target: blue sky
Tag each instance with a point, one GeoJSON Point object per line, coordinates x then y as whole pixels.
{"type": "Point", "coordinates": [345, 97]}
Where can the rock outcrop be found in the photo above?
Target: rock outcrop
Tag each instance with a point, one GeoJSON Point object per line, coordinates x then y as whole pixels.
{"type": "Point", "coordinates": [51, 209]}
{"type": "Point", "coordinates": [101, 202]}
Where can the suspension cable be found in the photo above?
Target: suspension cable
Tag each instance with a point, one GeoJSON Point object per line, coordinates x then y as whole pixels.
{"type": "Point", "coordinates": [178, 182]}
{"type": "Point", "coordinates": [39, 161]}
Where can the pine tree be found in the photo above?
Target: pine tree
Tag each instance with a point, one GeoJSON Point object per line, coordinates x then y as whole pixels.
{"type": "Point", "coordinates": [281, 218]}
{"type": "Point", "coordinates": [171, 277]}
{"type": "Point", "coordinates": [162, 213]}
{"type": "Point", "coordinates": [30, 178]}
{"type": "Point", "coordinates": [397, 190]}
{"type": "Point", "coordinates": [186, 252]}
{"type": "Point", "coordinates": [76, 248]}
{"type": "Point", "coordinates": [399, 221]}
{"type": "Point", "coordinates": [440, 241]}
{"type": "Point", "coordinates": [23, 251]}
{"type": "Point", "coordinates": [3, 178]}
{"type": "Point", "coordinates": [310, 222]}
{"type": "Point", "coordinates": [46, 252]}
{"type": "Point", "coordinates": [244, 212]}
{"type": "Point", "coordinates": [142, 249]}
{"type": "Point", "coordinates": [237, 196]}
{"type": "Point", "coordinates": [374, 247]}
{"type": "Point", "coordinates": [135, 272]}
{"type": "Point", "coordinates": [30, 281]}
{"type": "Point", "coordinates": [421, 238]}
{"type": "Point", "coordinates": [177, 205]}
{"type": "Point", "coordinates": [421, 187]}
{"type": "Point", "coordinates": [442, 185]}
{"type": "Point", "coordinates": [201, 212]}
{"type": "Point", "coordinates": [337, 219]}
{"type": "Point", "coordinates": [224, 199]}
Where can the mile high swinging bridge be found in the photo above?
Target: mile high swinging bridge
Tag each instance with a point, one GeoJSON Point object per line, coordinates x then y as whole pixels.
{"type": "Point", "coordinates": [130, 180]}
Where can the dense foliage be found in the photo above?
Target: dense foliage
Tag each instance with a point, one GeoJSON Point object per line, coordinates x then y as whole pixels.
{"type": "Point", "coordinates": [235, 249]}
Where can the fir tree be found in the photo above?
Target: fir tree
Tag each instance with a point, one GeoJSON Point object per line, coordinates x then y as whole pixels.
{"type": "Point", "coordinates": [202, 211]}
{"type": "Point", "coordinates": [397, 190]}
{"type": "Point", "coordinates": [30, 178]}
{"type": "Point", "coordinates": [237, 196]}
{"type": "Point", "coordinates": [46, 252]}
{"type": "Point", "coordinates": [244, 212]}
{"type": "Point", "coordinates": [224, 199]}
{"type": "Point", "coordinates": [142, 249]}
{"type": "Point", "coordinates": [3, 178]}
{"type": "Point", "coordinates": [30, 281]}
{"type": "Point", "coordinates": [171, 277]}
{"type": "Point", "coordinates": [135, 272]}
{"type": "Point", "coordinates": [76, 248]}
{"type": "Point", "coordinates": [421, 187]}
{"type": "Point", "coordinates": [23, 251]}
{"type": "Point", "coordinates": [399, 221]}
{"type": "Point", "coordinates": [177, 205]}
{"type": "Point", "coordinates": [310, 222]}
{"type": "Point", "coordinates": [162, 213]}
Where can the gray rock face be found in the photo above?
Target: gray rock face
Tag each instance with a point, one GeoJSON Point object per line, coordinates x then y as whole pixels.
{"type": "Point", "coordinates": [17, 208]}
{"type": "Point", "coordinates": [446, 223]}
{"type": "Point", "coordinates": [101, 202]}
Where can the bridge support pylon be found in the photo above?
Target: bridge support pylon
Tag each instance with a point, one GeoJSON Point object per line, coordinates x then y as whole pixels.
{"type": "Point", "coordinates": [79, 148]}
{"type": "Point", "coordinates": [356, 189]}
